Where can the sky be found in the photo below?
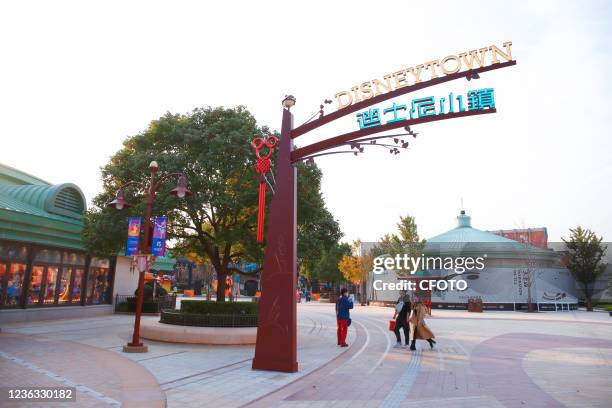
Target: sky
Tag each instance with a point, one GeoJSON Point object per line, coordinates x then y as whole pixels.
{"type": "Point", "coordinates": [77, 78]}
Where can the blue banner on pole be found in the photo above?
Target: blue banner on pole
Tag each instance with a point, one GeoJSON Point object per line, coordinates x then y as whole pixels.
{"type": "Point", "coordinates": [158, 244]}
{"type": "Point", "coordinates": [131, 247]}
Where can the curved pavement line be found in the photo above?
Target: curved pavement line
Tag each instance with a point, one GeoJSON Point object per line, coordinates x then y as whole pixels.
{"type": "Point", "coordinates": [56, 377]}
{"type": "Point", "coordinates": [310, 379]}
{"type": "Point", "coordinates": [138, 386]}
{"type": "Point", "coordinates": [485, 362]}
{"type": "Point", "coordinates": [386, 335]}
{"type": "Point", "coordinates": [520, 320]}
{"type": "Point", "coordinates": [361, 350]}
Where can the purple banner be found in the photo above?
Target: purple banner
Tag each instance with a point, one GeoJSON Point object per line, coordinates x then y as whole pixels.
{"type": "Point", "coordinates": [158, 244]}
{"type": "Point", "coordinates": [131, 248]}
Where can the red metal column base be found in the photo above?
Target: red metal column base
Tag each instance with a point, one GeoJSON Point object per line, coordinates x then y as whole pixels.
{"type": "Point", "coordinates": [135, 348]}
{"type": "Point", "coordinates": [267, 364]}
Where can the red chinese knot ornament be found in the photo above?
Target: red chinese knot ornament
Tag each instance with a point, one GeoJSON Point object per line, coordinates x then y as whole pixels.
{"type": "Point", "coordinates": [262, 166]}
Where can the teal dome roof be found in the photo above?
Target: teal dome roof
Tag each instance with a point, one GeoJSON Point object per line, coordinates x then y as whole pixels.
{"type": "Point", "coordinates": [464, 240]}
{"type": "Point", "coordinates": [464, 233]}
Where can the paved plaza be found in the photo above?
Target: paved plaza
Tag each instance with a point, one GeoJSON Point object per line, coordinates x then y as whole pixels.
{"type": "Point", "coordinates": [493, 359]}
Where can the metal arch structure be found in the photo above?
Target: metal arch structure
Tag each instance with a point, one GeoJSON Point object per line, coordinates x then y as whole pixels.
{"type": "Point", "coordinates": [276, 345]}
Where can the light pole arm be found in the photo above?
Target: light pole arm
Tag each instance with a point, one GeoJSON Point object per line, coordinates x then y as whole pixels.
{"type": "Point", "coordinates": [166, 177]}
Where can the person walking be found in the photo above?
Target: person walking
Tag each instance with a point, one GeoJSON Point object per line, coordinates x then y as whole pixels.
{"type": "Point", "coordinates": [401, 315]}
{"type": "Point", "coordinates": [343, 316]}
{"type": "Point", "coordinates": [421, 331]}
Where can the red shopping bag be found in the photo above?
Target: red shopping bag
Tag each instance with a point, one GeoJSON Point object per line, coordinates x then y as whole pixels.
{"type": "Point", "coordinates": [391, 325]}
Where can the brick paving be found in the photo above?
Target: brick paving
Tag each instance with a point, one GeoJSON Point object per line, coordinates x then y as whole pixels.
{"type": "Point", "coordinates": [493, 359]}
{"type": "Point", "coordinates": [101, 377]}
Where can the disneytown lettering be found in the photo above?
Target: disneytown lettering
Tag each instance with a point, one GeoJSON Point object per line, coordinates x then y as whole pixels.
{"type": "Point", "coordinates": [450, 64]}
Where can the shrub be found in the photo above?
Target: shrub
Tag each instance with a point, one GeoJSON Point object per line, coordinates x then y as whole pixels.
{"type": "Point", "coordinates": [148, 290]}
{"type": "Point", "coordinates": [221, 308]}
{"type": "Point", "coordinates": [148, 306]}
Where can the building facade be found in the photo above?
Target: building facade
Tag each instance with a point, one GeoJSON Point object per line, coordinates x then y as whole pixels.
{"type": "Point", "coordinates": [513, 273]}
{"type": "Point", "coordinates": [45, 271]}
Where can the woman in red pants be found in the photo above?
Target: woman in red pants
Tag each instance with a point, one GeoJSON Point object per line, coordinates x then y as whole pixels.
{"type": "Point", "coordinates": [343, 315]}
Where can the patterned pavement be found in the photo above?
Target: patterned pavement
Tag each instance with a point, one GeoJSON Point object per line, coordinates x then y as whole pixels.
{"type": "Point", "coordinates": [493, 359]}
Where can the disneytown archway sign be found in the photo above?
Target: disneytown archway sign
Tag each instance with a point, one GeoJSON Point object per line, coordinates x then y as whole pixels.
{"type": "Point", "coordinates": [276, 346]}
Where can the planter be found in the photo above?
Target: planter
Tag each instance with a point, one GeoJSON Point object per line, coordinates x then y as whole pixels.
{"type": "Point", "coordinates": [153, 330]}
{"type": "Point", "coordinates": [177, 318]}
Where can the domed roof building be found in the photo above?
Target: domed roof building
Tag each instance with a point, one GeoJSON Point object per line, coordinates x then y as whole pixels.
{"type": "Point", "coordinates": [504, 273]}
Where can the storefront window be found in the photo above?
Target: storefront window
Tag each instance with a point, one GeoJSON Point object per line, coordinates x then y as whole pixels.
{"type": "Point", "coordinates": [100, 263]}
{"type": "Point", "coordinates": [13, 252]}
{"type": "Point", "coordinates": [50, 284]}
{"type": "Point", "coordinates": [100, 286]}
{"type": "Point", "coordinates": [57, 277]}
{"type": "Point", "coordinates": [35, 285]}
{"type": "Point", "coordinates": [64, 286]}
{"type": "Point", "coordinates": [16, 272]}
{"type": "Point", "coordinates": [97, 281]}
{"type": "Point", "coordinates": [76, 286]}
{"type": "Point", "coordinates": [48, 255]}
{"type": "Point", "coordinates": [71, 258]}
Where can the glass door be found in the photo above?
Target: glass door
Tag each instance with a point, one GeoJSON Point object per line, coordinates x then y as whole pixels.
{"type": "Point", "coordinates": [64, 288]}
{"type": "Point", "coordinates": [77, 285]}
{"type": "Point", "coordinates": [16, 273]}
{"type": "Point", "coordinates": [50, 285]}
{"type": "Point", "coordinates": [34, 293]}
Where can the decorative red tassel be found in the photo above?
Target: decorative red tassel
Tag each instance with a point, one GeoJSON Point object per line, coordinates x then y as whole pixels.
{"type": "Point", "coordinates": [261, 211]}
{"type": "Point", "coordinates": [262, 166]}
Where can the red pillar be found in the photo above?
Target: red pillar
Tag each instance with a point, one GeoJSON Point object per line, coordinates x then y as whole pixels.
{"type": "Point", "coordinates": [276, 347]}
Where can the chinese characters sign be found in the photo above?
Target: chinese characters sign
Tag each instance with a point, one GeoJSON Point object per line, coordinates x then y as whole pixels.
{"type": "Point", "coordinates": [478, 99]}
{"type": "Point", "coordinates": [158, 244]}
{"type": "Point", "coordinates": [131, 247]}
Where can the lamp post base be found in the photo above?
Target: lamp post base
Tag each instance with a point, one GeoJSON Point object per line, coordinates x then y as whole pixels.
{"type": "Point", "coordinates": [137, 348]}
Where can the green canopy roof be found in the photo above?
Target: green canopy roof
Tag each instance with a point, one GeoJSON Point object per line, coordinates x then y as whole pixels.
{"type": "Point", "coordinates": [32, 210]}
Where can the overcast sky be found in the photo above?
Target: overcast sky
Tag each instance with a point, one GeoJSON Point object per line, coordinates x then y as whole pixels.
{"type": "Point", "coordinates": [76, 78]}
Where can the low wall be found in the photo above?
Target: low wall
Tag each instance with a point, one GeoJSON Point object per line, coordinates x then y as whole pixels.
{"type": "Point", "coordinates": [53, 313]}
{"type": "Point", "coordinates": [154, 330]}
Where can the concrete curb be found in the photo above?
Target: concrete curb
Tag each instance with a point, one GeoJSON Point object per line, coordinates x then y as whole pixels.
{"type": "Point", "coordinates": [154, 330]}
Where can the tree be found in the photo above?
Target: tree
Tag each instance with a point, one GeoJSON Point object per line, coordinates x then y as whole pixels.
{"type": "Point", "coordinates": [584, 255]}
{"type": "Point", "coordinates": [327, 267]}
{"type": "Point", "coordinates": [218, 223]}
{"type": "Point", "coordinates": [350, 266]}
{"type": "Point", "coordinates": [356, 267]}
{"type": "Point", "coordinates": [408, 242]}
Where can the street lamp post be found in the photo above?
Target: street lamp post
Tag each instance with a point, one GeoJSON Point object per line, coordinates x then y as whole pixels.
{"type": "Point", "coordinates": [180, 191]}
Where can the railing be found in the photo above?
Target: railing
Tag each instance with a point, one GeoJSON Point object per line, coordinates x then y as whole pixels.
{"type": "Point", "coordinates": [207, 320]}
{"type": "Point", "coordinates": [127, 304]}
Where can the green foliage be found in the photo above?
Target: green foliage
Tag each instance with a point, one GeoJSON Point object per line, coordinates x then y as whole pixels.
{"type": "Point", "coordinates": [129, 306]}
{"type": "Point", "coordinates": [408, 242]}
{"type": "Point", "coordinates": [210, 307]}
{"type": "Point", "coordinates": [218, 223]}
{"type": "Point", "coordinates": [316, 227]}
{"type": "Point", "coordinates": [584, 259]}
{"type": "Point", "coordinates": [148, 290]}
{"type": "Point", "coordinates": [326, 268]}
